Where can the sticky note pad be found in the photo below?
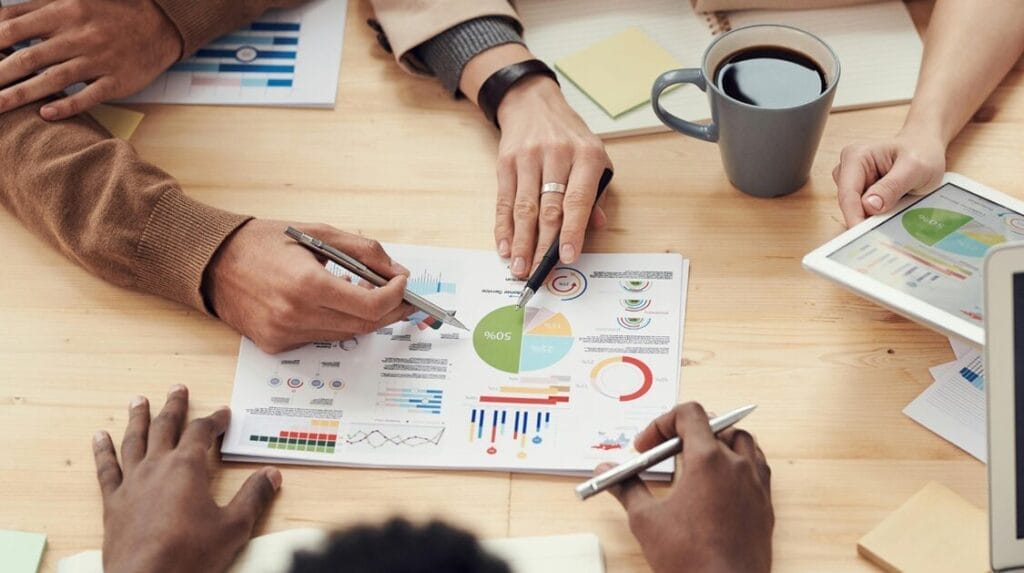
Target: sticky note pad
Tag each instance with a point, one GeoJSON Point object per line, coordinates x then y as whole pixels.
{"type": "Point", "coordinates": [21, 552]}
{"type": "Point", "coordinates": [936, 530]}
{"type": "Point", "coordinates": [617, 72]}
{"type": "Point", "coordinates": [120, 122]}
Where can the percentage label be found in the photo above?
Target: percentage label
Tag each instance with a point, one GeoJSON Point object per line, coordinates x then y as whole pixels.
{"type": "Point", "coordinates": [497, 335]}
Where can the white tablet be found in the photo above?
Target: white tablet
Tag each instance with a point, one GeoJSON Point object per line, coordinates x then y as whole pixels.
{"type": "Point", "coordinates": [924, 259]}
{"type": "Point", "coordinates": [1004, 381]}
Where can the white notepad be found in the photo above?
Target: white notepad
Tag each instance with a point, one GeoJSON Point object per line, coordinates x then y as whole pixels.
{"type": "Point", "coordinates": [580, 553]}
{"type": "Point", "coordinates": [878, 48]}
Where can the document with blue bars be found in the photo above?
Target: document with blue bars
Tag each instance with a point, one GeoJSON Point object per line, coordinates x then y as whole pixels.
{"type": "Point", "coordinates": [287, 58]}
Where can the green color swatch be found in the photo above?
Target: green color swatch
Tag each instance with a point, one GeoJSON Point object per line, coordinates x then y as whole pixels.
{"type": "Point", "coordinates": [930, 225]}
{"type": "Point", "coordinates": [498, 338]}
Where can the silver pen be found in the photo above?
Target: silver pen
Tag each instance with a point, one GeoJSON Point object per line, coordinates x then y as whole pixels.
{"type": "Point", "coordinates": [653, 456]}
{"type": "Point", "coordinates": [362, 271]}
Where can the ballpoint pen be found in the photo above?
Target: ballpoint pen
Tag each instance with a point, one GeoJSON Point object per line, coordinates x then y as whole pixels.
{"type": "Point", "coordinates": [653, 456]}
{"type": "Point", "coordinates": [550, 259]}
{"type": "Point", "coordinates": [362, 271]}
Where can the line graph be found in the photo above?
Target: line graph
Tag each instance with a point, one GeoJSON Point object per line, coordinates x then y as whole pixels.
{"type": "Point", "coordinates": [377, 437]}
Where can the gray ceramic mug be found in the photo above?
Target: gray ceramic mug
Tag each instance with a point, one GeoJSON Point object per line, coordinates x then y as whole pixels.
{"type": "Point", "coordinates": [767, 152]}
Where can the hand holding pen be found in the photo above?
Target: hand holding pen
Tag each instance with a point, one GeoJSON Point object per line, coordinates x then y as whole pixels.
{"type": "Point", "coordinates": [276, 293]}
{"type": "Point", "coordinates": [718, 515]}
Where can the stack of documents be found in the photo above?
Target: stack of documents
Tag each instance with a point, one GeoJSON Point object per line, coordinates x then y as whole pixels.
{"type": "Point", "coordinates": [954, 405]}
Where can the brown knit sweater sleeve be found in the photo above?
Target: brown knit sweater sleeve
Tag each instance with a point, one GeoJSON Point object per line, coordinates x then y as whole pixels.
{"type": "Point", "coordinates": [201, 21]}
{"type": "Point", "coordinates": [95, 200]}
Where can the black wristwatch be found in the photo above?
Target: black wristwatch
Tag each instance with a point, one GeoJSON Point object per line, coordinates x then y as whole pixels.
{"type": "Point", "coordinates": [494, 89]}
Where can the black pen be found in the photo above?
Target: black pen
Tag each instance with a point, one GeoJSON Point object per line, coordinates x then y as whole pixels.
{"type": "Point", "coordinates": [550, 259]}
{"type": "Point", "coordinates": [362, 271]}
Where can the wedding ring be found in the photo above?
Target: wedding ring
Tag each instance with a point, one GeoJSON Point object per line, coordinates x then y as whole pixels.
{"type": "Point", "coordinates": [552, 187]}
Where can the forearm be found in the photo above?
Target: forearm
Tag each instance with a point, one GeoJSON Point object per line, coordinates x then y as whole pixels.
{"type": "Point", "coordinates": [98, 203]}
{"type": "Point", "coordinates": [969, 46]}
{"type": "Point", "coordinates": [201, 21]}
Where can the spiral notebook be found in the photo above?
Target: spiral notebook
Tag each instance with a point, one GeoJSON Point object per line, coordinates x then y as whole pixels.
{"type": "Point", "coordinates": [878, 46]}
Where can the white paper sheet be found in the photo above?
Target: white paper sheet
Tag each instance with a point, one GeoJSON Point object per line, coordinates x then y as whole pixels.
{"type": "Point", "coordinates": [287, 58]}
{"type": "Point", "coordinates": [559, 388]}
{"type": "Point", "coordinates": [954, 405]}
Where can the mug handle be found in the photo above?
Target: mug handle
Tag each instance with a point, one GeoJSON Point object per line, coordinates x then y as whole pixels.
{"type": "Point", "coordinates": [693, 76]}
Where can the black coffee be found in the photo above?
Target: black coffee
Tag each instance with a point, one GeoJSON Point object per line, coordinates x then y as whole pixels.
{"type": "Point", "coordinates": [770, 76]}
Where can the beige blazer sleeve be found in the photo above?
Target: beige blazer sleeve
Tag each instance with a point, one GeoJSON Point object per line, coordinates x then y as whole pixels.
{"type": "Point", "coordinates": [409, 23]}
{"type": "Point", "coordinates": [201, 21]}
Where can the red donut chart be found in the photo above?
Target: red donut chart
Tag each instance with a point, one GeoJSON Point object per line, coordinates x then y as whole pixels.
{"type": "Point", "coordinates": [609, 377]}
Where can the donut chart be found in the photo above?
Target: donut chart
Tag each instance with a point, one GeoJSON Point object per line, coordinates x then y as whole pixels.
{"type": "Point", "coordinates": [517, 340]}
{"type": "Point", "coordinates": [622, 378]}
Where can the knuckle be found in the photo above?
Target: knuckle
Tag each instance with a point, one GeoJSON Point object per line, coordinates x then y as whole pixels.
{"type": "Point", "coordinates": [506, 161]}
{"type": "Point", "coordinates": [27, 60]}
{"type": "Point", "coordinates": [62, 76]}
{"type": "Point", "coordinates": [592, 149]}
{"type": "Point", "coordinates": [532, 149]}
{"type": "Point", "coordinates": [503, 206]}
{"type": "Point", "coordinates": [690, 409]}
{"type": "Point", "coordinates": [19, 95]}
{"type": "Point", "coordinates": [107, 470]}
{"type": "Point", "coordinates": [551, 213]}
{"type": "Point", "coordinates": [561, 148]}
{"type": "Point", "coordinates": [9, 31]}
{"type": "Point", "coordinates": [203, 425]}
{"type": "Point", "coordinates": [710, 455]}
{"type": "Point", "coordinates": [574, 201]}
{"type": "Point", "coordinates": [525, 210]}
{"type": "Point", "coordinates": [373, 247]}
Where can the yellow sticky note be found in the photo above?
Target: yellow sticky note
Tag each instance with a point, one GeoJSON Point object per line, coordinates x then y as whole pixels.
{"type": "Point", "coordinates": [617, 72]}
{"type": "Point", "coordinates": [120, 122]}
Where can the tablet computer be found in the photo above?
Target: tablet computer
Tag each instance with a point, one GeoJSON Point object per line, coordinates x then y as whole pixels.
{"type": "Point", "coordinates": [1004, 382]}
{"type": "Point", "coordinates": [924, 260]}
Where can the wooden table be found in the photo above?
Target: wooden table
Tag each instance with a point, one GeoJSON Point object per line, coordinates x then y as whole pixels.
{"type": "Point", "coordinates": [831, 371]}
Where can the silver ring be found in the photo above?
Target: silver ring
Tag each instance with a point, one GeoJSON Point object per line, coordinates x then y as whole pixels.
{"type": "Point", "coordinates": [552, 187]}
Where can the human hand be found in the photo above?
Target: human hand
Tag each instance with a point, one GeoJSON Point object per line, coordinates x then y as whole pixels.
{"type": "Point", "coordinates": [543, 140]}
{"type": "Point", "coordinates": [274, 291]}
{"type": "Point", "coordinates": [719, 515]}
{"type": "Point", "coordinates": [119, 46]}
{"type": "Point", "coordinates": [158, 514]}
{"type": "Point", "coordinates": [871, 178]}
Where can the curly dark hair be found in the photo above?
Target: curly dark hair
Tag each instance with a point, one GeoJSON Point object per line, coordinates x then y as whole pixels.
{"type": "Point", "coordinates": [398, 546]}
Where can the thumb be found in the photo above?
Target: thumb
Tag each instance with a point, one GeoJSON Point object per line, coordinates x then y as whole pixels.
{"type": "Point", "coordinates": [885, 192]}
{"type": "Point", "coordinates": [255, 496]}
{"type": "Point", "coordinates": [632, 493]}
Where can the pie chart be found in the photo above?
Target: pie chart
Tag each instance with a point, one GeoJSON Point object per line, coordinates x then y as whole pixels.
{"type": "Point", "coordinates": [517, 340]}
{"type": "Point", "coordinates": [622, 378]}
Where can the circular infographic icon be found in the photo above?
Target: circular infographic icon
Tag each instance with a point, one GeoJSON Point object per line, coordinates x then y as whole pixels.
{"type": "Point", "coordinates": [294, 383]}
{"type": "Point", "coordinates": [517, 340]}
{"type": "Point", "coordinates": [635, 285]}
{"type": "Point", "coordinates": [567, 283]}
{"type": "Point", "coordinates": [274, 382]}
{"type": "Point", "coordinates": [622, 378]}
{"type": "Point", "coordinates": [246, 54]}
{"type": "Point", "coordinates": [636, 304]}
{"type": "Point", "coordinates": [337, 384]}
{"type": "Point", "coordinates": [318, 384]}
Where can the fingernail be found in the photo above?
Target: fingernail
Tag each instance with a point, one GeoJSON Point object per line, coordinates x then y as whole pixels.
{"type": "Point", "coordinates": [503, 248]}
{"type": "Point", "coordinates": [875, 201]}
{"type": "Point", "coordinates": [176, 389]}
{"type": "Point", "coordinates": [274, 475]}
{"type": "Point", "coordinates": [48, 112]}
{"type": "Point", "coordinates": [568, 253]}
{"type": "Point", "coordinates": [99, 437]}
{"type": "Point", "coordinates": [518, 266]}
{"type": "Point", "coordinates": [137, 401]}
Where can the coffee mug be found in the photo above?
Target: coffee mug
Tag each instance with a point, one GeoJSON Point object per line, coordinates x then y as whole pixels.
{"type": "Point", "coordinates": [766, 132]}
